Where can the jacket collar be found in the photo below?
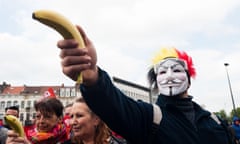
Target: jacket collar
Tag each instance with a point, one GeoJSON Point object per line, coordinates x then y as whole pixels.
{"type": "Point", "coordinates": [171, 103]}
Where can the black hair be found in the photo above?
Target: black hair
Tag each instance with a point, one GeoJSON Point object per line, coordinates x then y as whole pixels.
{"type": "Point", "coordinates": [151, 76]}
{"type": "Point", "coordinates": [16, 107]}
{"type": "Point", "coordinates": [50, 105]}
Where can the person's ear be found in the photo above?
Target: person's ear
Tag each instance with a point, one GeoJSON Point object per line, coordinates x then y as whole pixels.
{"type": "Point", "coordinates": [97, 120]}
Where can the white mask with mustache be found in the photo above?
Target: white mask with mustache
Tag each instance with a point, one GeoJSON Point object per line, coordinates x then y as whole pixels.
{"type": "Point", "coordinates": [171, 77]}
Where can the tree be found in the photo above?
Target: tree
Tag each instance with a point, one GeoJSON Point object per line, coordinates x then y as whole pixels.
{"type": "Point", "coordinates": [222, 114]}
{"type": "Point", "coordinates": [237, 113]}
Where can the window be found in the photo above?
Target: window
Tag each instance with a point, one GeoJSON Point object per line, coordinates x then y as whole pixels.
{"type": "Point", "coordinates": [21, 116]}
{"type": "Point", "coordinates": [28, 103]}
{"type": "Point", "coordinates": [22, 104]}
{"type": "Point", "coordinates": [73, 92]}
{"type": "Point", "coordinates": [2, 106]}
{"type": "Point", "coordinates": [9, 103]}
{"type": "Point", "coordinates": [1, 115]}
{"type": "Point", "coordinates": [62, 92]}
{"type": "Point", "coordinates": [67, 92]}
{"type": "Point", "coordinates": [35, 101]}
{"type": "Point", "coordinates": [27, 116]}
{"type": "Point", "coordinates": [15, 103]}
{"type": "Point", "coordinates": [34, 115]}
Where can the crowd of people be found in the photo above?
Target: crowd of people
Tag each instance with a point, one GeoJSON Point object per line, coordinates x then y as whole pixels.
{"type": "Point", "coordinates": [175, 118]}
{"type": "Point", "coordinates": [55, 124]}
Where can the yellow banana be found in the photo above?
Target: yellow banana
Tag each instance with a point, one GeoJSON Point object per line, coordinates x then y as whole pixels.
{"type": "Point", "coordinates": [62, 25]}
{"type": "Point", "coordinates": [15, 124]}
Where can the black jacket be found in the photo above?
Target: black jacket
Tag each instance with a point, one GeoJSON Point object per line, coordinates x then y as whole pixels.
{"type": "Point", "coordinates": [133, 119]}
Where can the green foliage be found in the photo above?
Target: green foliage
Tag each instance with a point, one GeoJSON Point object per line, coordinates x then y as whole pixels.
{"type": "Point", "coordinates": [235, 114]}
{"type": "Point", "coordinates": [222, 114]}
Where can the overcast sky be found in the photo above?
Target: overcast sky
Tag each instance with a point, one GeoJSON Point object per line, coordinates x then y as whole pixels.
{"type": "Point", "coordinates": [126, 33]}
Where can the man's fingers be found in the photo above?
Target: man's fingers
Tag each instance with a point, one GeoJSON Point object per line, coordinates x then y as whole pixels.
{"type": "Point", "coordinates": [12, 133]}
{"type": "Point", "coordinates": [13, 138]}
{"type": "Point", "coordinates": [69, 43]}
{"type": "Point", "coordinates": [73, 52]}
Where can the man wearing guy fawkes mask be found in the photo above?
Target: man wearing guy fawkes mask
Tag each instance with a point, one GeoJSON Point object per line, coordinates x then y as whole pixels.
{"type": "Point", "coordinates": [170, 78]}
{"type": "Point", "coordinates": [173, 119]}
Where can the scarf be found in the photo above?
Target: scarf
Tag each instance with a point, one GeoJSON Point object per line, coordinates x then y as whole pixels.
{"type": "Point", "coordinates": [185, 105]}
{"type": "Point", "coordinates": [57, 134]}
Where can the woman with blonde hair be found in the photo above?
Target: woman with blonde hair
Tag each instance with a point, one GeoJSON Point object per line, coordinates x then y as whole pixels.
{"type": "Point", "coordinates": [87, 127]}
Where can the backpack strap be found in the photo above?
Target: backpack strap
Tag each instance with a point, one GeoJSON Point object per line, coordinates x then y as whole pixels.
{"type": "Point", "coordinates": [220, 121]}
{"type": "Point", "coordinates": [157, 114]}
{"type": "Point", "coordinates": [157, 118]}
{"type": "Point", "coordinates": [215, 118]}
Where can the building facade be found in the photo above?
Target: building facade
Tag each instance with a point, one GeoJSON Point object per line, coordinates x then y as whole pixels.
{"type": "Point", "coordinates": [26, 96]}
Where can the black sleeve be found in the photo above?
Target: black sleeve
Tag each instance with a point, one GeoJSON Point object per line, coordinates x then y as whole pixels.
{"type": "Point", "coordinates": [129, 118]}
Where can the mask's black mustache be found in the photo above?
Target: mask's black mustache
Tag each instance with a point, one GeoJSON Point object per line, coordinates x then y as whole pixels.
{"type": "Point", "coordinates": [170, 91]}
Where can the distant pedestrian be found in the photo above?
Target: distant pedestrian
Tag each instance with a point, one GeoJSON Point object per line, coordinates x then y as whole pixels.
{"type": "Point", "coordinates": [67, 111]}
{"type": "Point", "coordinates": [236, 127]}
{"type": "Point", "coordinates": [66, 117]}
{"type": "Point", "coordinates": [11, 110]}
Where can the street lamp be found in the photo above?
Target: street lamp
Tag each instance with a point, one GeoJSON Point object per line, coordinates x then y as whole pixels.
{"type": "Point", "coordinates": [229, 83]}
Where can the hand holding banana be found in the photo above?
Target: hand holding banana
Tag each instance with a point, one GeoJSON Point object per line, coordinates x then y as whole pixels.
{"type": "Point", "coordinates": [15, 124]}
{"type": "Point", "coordinates": [61, 25]}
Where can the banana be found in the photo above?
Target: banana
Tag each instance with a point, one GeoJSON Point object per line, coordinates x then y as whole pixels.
{"type": "Point", "coordinates": [15, 124]}
{"type": "Point", "coordinates": [62, 25]}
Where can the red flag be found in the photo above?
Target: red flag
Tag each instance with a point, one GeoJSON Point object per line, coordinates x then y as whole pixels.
{"type": "Point", "coordinates": [49, 93]}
